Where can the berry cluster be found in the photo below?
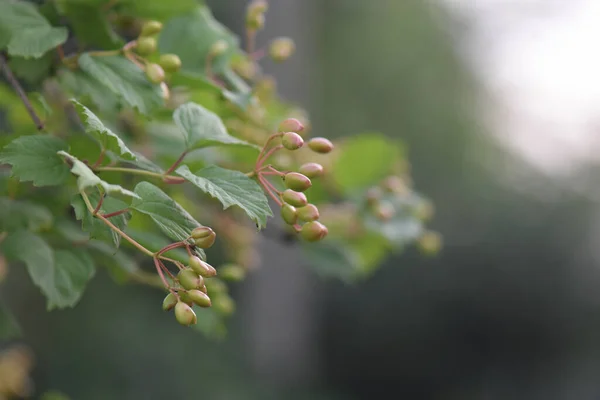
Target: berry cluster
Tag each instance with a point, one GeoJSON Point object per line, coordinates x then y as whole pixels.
{"type": "Point", "coordinates": [294, 205]}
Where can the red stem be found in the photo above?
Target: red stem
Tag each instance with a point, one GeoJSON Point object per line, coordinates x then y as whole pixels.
{"type": "Point", "coordinates": [171, 247]}
{"type": "Point", "coordinates": [176, 163]}
{"type": "Point", "coordinates": [266, 185]}
{"type": "Point", "coordinates": [269, 154]}
{"type": "Point", "coordinates": [114, 214]}
{"type": "Point", "coordinates": [98, 205]}
{"type": "Point", "coordinates": [158, 264]}
{"type": "Point", "coordinates": [99, 160]}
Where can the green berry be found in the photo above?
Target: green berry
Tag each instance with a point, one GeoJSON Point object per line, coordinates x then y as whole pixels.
{"type": "Point", "coordinates": [257, 7]}
{"type": "Point", "coordinates": [293, 198]}
{"type": "Point", "coordinates": [281, 49]}
{"type": "Point", "coordinates": [184, 314]}
{"type": "Point", "coordinates": [384, 211]}
{"type": "Point", "coordinates": [289, 214]}
{"type": "Point", "coordinates": [424, 211]}
{"type": "Point", "coordinates": [155, 73]}
{"type": "Point", "coordinates": [291, 125]}
{"type": "Point", "coordinates": [204, 237]}
{"type": "Point", "coordinates": [232, 272]}
{"type": "Point", "coordinates": [169, 302]}
{"type": "Point", "coordinates": [296, 181]}
{"type": "Point", "coordinates": [170, 62]}
{"type": "Point", "coordinates": [311, 170]}
{"type": "Point", "coordinates": [219, 47]}
{"type": "Point", "coordinates": [320, 145]}
{"type": "Point", "coordinates": [292, 141]}
{"type": "Point", "coordinates": [146, 46]}
{"type": "Point", "coordinates": [216, 287]}
{"type": "Point", "coordinates": [255, 21]}
{"type": "Point", "coordinates": [309, 212]}
{"type": "Point", "coordinates": [151, 28]}
{"type": "Point", "coordinates": [313, 231]}
{"type": "Point", "coordinates": [183, 296]}
{"type": "Point", "coordinates": [224, 305]}
{"type": "Point", "coordinates": [189, 279]}
{"type": "Point", "coordinates": [199, 298]}
{"type": "Point", "coordinates": [202, 268]}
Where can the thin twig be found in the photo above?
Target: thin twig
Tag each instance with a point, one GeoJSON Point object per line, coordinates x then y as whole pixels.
{"type": "Point", "coordinates": [176, 163]}
{"type": "Point", "coordinates": [20, 92]}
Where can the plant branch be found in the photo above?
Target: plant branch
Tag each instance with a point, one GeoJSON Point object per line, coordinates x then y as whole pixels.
{"type": "Point", "coordinates": [114, 214]}
{"type": "Point", "coordinates": [112, 226]}
{"type": "Point", "coordinates": [176, 163]}
{"type": "Point", "coordinates": [164, 177]}
{"type": "Point", "coordinates": [20, 92]}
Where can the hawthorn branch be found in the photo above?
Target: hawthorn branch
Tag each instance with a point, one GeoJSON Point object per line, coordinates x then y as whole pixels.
{"type": "Point", "coordinates": [20, 92]}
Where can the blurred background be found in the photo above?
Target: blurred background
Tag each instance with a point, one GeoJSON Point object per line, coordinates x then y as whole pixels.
{"type": "Point", "coordinates": [498, 104]}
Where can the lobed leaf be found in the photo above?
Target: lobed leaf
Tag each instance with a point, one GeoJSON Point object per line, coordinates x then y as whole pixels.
{"type": "Point", "coordinates": [34, 158]}
{"type": "Point", "coordinates": [87, 178]}
{"type": "Point", "coordinates": [203, 128]}
{"type": "Point", "coordinates": [231, 188]}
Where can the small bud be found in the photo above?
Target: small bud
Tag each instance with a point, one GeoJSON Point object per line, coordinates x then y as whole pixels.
{"type": "Point", "coordinates": [170, 62]}
{"type": "Point", "coordinates": [293, 198]}
{"type": "Point", "coordinates": [155, 73]}
{"type": "Point", "coordinates": [202, 268]}
{"type": "Point", "coordinates": [311, 170]}
{"type": "Point", "coordinates": [189, 279]}
{"type": "Point", "coordinates": [202, 232]}
{"type": "Point", "coordinates": [151, 28]}
{"type": "Point", "coordinates": [320, 145]}
{"type": "Point", "coordinates": [184, 314]}
{"type": "Point", "coordinates": [224, 305]}
{"type": "Point", "coordinates": [232, 272]}
{"type": "Point", "coordinates": [313, 231]}
{"type": "Point", "coordinates": [289, 214]}
{"type": "Point", "coordinates": [219, 47]}
{"type": "Point", "coordinates": [169, 302]}
{"type": "Point", "coordinates": [216, 287]}
{"type": "Point", "coordinates": [291, 125]}
{"type": "Point", "coordinates": [394, 184]}
{"type": "Point", "coordinates": [424, 211]}
{"type": "Point", "coordinates": [384, 211]}
{"type": "Point", "coordinates": [146, 46]}
{"type": "Point", "coordinates": [281, 49]}
{"type": "Point", "coordinates": [309, 212]}
{"type": "Point", "coordinates": [199, 298]}
{"type": "Point", "coordinates": [292, 141]}
{"type": "Point", "coordinates": [430, 243]}
{"type": "Point", "coordinates": [296, 181]}
{"type": "Point", "coordinates": [257, 7]}
{"type": "Point", "coordinates": [203, 289]}
{"type": "Point", "coordinates": [183, 296]}
{"type": "Point", "coordinates": [255, 14]}
{"type": "Point", "coordinates": [166, 93]}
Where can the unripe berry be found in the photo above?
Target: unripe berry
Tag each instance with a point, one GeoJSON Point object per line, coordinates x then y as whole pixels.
{"type": "Point", "coordinates": [183, 296]}
{"type": "Point", "coordinates": [313, 231]}
{"type": "Point", "coordinates": [224, 305]}
{"type": "Point", "coordinates": [151, 28]}
{"type": "Point", "coordinates": [289, 214]}
{"type": "Point", "coordinates": [292, 141]}
{"type": "Point", "coordinates": [320, 145]}
{"type": "Point", "coordinates": [199, 298]}
{"type": "Point", "coordinates": [201, 268]}
{"type": "Point", "coordinates": [296, 181]}
{"type": "Point", "coordinates": [155, 73]}
{"type": "Point", "coordinates": [311, 170]}
{"type": "Point", "coordinates": [204, 237]}
{"type": "Point", "coordinates": [291, 125]}
{"type": "Point", "coordinates": [309, 212]}
{"type": "Point", "coordinates": [384, 211]}
{"type": "Point", "coordinates": [424, 211]}
{"type": "Point", "coordinates": [232, 272]}
{"type": "Point", "coordinates": [166, 93]}
{"type": "Point", "coordinates": [293, 198]}
{"type": "Point", "coordinates": [257, 7]}
{"type": "Point", "coordinates": [189, 279]}
{"type": "Point", "coordinates": [216, 287]}
{"type": "Point", "coordinates": [146, 46]}
{"type": "Point", "coordinates": [430, 243]}
{"type": "Point", "coordinates": [169, 302]}
{"type": "Point", "coordinates": [184, 314]}
{"type": "Point", "coordinates": [255, 22]}
{"type": "Point", "coordinates": [281, 49]}
{"type": "Point", "coordinates": [219, 47]}
{"type": "Point", "coordinates": [170, 62]}
{"type": "Point", "coordinates": [394, 184]}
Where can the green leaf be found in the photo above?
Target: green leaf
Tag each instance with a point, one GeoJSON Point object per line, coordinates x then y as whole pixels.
{"type": "Point", "coordinates": [25, 32]}
{"type": "Point", "coordinates": [119, 264]}
{"type": "Point", "coordinates": [83, 86]}
{"type": "Point", "coordinates": [203, 128]}
{"type": "Point", "coordinates": [191, 37]}
{"type": "Point", "coordinates": [332, 260]}
{"type": "Point", "coordinates": [231, 188]}
{"type": "Point", "coordinates": [363, 160]}
{"type": "Point", "coordinates": [87, 178]}
{"type": "Point", "coordinates": [124, 80]}
{"type": "Point", "coordinates": [107, 139]}
{"type": "Point", "coordinates": [61, 275]}
{"type": "Point", "coordinates": [9, 327]}
{"type": "Point", "coordinates": [19, 214]}
{"type": "Point", "coordinates": [34, 158]}
{"type": "Point", "coordinates": [90, 25]}
{"type": "Point", "coordinates": [94, 226]}
{"type": "Point", "coordinates": [31, 70]}
{"type": "Point", "coordinates": [161, 10]}
{"type": "Point", "coordinates": [170, 217]}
